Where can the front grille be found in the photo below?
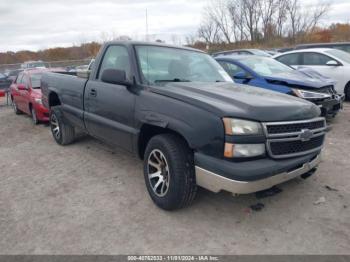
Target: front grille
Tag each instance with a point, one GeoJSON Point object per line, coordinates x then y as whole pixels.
{"type": "Point", "coordinates": [295, 147]}
{"type": "Point", "coordinates": [294, 127]}
{"type": "Point", "coordinates": [290, 139]}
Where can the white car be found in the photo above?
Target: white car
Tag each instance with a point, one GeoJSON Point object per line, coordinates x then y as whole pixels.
{"type": "Point", "coordinates": [332, 63]}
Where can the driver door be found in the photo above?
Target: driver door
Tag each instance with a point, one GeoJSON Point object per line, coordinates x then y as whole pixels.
{"type": "Point", "coordinates": [109, 108]}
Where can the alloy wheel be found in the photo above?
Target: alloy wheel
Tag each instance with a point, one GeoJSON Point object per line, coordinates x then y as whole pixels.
{"type": "Point", "coordinates": [55, 127]}
{"type": "Point", "coordinates": [158, 173]}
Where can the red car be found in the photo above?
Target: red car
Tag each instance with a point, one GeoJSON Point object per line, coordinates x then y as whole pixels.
{"type": "Point", "coordinates": [26, 95]}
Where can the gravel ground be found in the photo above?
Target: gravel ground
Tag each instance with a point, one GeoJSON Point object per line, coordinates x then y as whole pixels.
{"type": "Point", "coordinates": [90, 199]}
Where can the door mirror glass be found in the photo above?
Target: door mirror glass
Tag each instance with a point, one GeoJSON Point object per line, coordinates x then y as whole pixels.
{"type": "Point", "coordinates": [332, 63]}
{"type": "Point", "coordinates": [21, 87]}
{"type": "Point", "coordinates": [115, 76]}
{"type": "Point", "coordinates": [242, 76]}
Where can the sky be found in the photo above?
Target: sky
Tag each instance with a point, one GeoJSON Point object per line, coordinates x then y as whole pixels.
{"type": "Point", "coordinates": [40, 24]}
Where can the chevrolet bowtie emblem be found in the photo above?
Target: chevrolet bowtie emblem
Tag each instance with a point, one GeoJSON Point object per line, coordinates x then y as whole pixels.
{"type": "Point", "coordinates": [306, 135]}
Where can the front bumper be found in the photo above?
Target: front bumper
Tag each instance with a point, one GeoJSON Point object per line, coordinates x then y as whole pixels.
{"type": "Point", "coordinates": [42, 113]}
{"type": "Point", "coordinates": [216, 182]}
{"type": "Point", "coordinates": [330, 107]}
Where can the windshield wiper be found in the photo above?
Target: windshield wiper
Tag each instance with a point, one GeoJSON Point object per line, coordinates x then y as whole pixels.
{"type": "Point", "coordinates": [171, 80]}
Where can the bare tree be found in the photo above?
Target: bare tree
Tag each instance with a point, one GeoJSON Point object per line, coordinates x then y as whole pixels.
{"type": "Point", "coordinates": [267, 10]}
{"type": "Point", "coordinates": [251, 15]}
{"type": "Point", "coordinates": [217, 11]}
{"type": "Point", "coordinates": [209, 31]}
{"type": "Point", "coordinates": [235, 9]}
{"type": "Point", "coordinates": [190, 39]}
{"type": "Point", "coordinates": [304, 19]}
{"type": "Point", "coordinates": [281, 16]}
{"type": "Point", "coordinates": [254, 20]}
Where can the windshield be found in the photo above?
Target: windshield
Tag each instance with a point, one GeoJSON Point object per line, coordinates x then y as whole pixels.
{"type": "Point", "coordinates": [265, 66]}
{"type": "Point", "coordinates": [35, 65]}
{"type": "Point", "coordinates": [165, 64]}
{"type": "Point", "coordinates": [344, 56]}
{"type": "Point", "coordinates": [35, 79]}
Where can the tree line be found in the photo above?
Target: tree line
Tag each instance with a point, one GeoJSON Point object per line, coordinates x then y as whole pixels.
{"type": "Point", "coordinates": [260, 21]}
{"type": "Point", "coordinates": [86, 50]}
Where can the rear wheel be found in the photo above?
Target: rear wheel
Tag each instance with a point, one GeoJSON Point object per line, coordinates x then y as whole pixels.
{"type": "Point", "coordinates": [62, 132]}
{"type": "Point", "coordinates": [34, 116]}
{"type": "Point", "coordinates": [169, 172]}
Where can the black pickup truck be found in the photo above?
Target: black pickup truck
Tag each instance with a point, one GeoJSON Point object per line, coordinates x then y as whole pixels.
{"type": "Point", "coordinates": [192, 126]}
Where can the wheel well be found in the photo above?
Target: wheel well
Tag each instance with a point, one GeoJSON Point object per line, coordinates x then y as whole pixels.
{"type": "Point", "coordinates": [149, 131]}
{"type": "Point", "coordinates": [54, 100]}
{"type": "Point", "coordinates": [347, 91]}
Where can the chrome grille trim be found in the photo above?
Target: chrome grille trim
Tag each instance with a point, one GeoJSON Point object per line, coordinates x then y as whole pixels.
{"type": "Point", "coordinates": [292, 136]}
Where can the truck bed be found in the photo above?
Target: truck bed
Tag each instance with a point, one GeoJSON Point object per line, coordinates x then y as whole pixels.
{"type": "Point", "coordinates": [70, 89]}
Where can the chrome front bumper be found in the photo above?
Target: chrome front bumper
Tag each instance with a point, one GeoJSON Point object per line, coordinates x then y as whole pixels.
{"type": "Point", "coordinates": [217, 183]}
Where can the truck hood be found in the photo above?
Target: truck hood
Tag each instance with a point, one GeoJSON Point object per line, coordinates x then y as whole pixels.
{"type": "Point", "coordinates": [297, 79]}
{"type": "Point", "coordinates": [240, 101]}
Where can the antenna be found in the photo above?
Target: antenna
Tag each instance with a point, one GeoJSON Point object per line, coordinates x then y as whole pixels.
{"type": "Point", "coordinates": [147, 25]}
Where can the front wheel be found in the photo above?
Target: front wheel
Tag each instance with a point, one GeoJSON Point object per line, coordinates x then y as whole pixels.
{"type": "Point", "coordinates": [15, 108]}
{"type": "Point", "coordinates": [169, 172]}
{"type": "Point", "coordinates": [62, 132]}
{"type": "Point", "coordinates": [347, 92]}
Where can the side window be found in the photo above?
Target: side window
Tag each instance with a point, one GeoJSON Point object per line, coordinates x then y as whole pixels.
{"type": "Point", "coordinates": [345, 48]}
{"type": "Point", "coordinates": [315, 59]}
{"type": "Point", "coordinates": [116, 57]}
{"type": "Point", "coordinates": [231, 69]}
{"type": "Point", "coordinates": [291, 59]}
{"type": "Point", "coordinates": [25, 80]}
{"type": "Point", "coordinates": [19, 78]}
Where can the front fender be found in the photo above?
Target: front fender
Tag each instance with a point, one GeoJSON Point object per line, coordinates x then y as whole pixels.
{"type": "Point", "coordinates": [202, 130]}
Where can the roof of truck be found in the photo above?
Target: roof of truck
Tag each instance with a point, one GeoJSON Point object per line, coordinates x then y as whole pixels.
{"type": "Point", "coordinates": [133, 43]}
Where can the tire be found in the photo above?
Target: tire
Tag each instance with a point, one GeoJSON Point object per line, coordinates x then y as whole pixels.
{"type": "Point", "coordinates": [15, 108]}
{"type": "Point", "coordinates": [34, 116]}
{"type": "Point", "coordinates": [347, 92]}
{"type": "Point", "coordinates": [168, 159]}
{"type": "Point", "coordinates": [62, 132]}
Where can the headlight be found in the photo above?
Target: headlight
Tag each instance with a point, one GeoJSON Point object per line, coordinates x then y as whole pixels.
{"type": "Point", "coordinates": [38, 100]}
{"type": "Point", "coordinates": [241, 127]}
{"type": "Point", "coordinates": [309, 94]}
{"type": "Point", "coordinates": [244, 150]}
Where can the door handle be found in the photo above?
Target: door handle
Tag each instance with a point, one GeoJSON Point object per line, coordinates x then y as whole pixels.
{"type": "Point", "coordinates": [93, 92]}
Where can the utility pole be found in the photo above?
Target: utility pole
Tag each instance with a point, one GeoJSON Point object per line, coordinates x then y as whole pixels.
{"type": "Point", "coordinates": [147, 25]}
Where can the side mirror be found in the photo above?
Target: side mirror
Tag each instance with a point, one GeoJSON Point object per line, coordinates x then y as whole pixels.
{"type": "Point", "coordinates": [21, 87]}
{"type": "Point", "coordinates": [332, 63]}
{"type": "Point", "coordinates": [242, 76]}
{"type": "Point", "coordinates": [115, 76]}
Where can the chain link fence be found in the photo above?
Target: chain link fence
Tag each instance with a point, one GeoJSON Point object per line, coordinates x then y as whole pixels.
{"type": "Point", "coordinates": [67, 64]}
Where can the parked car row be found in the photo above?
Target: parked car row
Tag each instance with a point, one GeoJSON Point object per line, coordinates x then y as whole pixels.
{"type": "Point", "coordinates": [332, 63]}
{"type": "Point", "coordinates": [270, 74]}
{"type": "Point", "coordinates": [26, 95]}
{"type": "Point", "coordinates": [4, 84]}
{"type": "Point", "coordinates": [238, 123]}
